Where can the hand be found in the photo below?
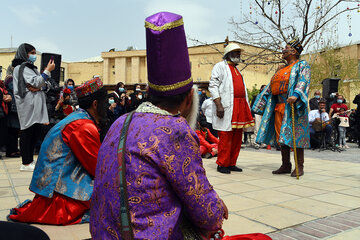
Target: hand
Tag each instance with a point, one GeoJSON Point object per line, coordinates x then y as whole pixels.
{"type": "Point", "coordinates": [214, 150]}
{"type": "Point", "coordinates": [112, 106]}
{"type": "Point", "coordinates": [51, 65]}
{"type": "Point", "coordinates": [61, 100]}
{"type": "Point", "coordinates": [7, 98]}
{"type": "Point", "coordinates": [32, 89]}
{"type": "Point", "coordinates": [291, 99]}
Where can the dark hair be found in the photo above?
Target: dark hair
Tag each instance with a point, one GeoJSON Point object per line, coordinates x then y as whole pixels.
{"type": "Point", "coordinates": [70, 80]}
{"type": "Point", "coordinates": [86, 102]}
{"type": "Point", "coordinates": [29, 47]}
{"type": "Point", "coordinates": [168, 101]}
{"type": "Point", "coordinates": [322, 101]}
{"type": "Point", "coordinates": [136, 84]}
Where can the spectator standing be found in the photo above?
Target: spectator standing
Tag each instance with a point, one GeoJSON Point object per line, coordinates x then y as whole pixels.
{"type": "Point", "coordinates": [64, 107]}
{"type": "Point", "coordinates": [13, 124]}
{"type": "Point", "coordinates": [30, 100]}
{"type": "Point", "coordinates": [5, 99]}
{"type": "Point", "coordinates": [357, 117]}
{"type": "Point", "coordinates": [344, 123]}
{"type": "Point", "coordinates": [232, 115]}
{"type": "Point", "coordinates": [335, 108]}
{"type": "Point", "coordinates": [314, 102]}
{"type": "Point", "coordinates": [207, 109]}
{"type": "Point", "coordinates": [70, 84]}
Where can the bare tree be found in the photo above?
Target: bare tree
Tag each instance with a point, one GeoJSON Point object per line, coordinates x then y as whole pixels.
{"type": "Point", "coordinates": [271, 23]}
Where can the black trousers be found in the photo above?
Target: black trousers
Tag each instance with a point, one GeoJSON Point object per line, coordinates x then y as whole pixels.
{"type": "Point", "coordinates": [12, 143]}
{"type": "Point", "coordinates": [28, 139]}
{"type": "Point", "coordinates": [15, 231]}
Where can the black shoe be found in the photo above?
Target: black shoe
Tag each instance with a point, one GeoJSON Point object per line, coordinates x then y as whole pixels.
{"type": "Point", "coordinates": [235, 169]}
{"type": "Point", "coordinates": [224, 170]}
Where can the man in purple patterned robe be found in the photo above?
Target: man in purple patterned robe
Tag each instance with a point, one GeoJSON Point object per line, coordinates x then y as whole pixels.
{"type": "Point", "coordinates": [167, 187]}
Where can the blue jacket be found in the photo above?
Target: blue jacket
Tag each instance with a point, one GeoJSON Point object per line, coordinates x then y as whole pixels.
{"type": "Point", "coordinates": [57, 168]}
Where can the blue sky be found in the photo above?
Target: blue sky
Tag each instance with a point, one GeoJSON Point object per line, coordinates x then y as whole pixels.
{"type": "Point", "coordinates": [80, 29]}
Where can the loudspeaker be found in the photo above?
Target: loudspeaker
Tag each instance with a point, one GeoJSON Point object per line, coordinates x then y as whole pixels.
{"type": "Point", "coordinates": [45, 58]}
{"type": "Point", "coordinates": [330, 85]}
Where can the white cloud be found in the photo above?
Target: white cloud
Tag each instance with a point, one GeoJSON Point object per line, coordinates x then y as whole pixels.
{"type": "Point", "coordinates": [27, 15]}
{"type": "Point", "coordinates": [197, 18]}
{"type": "Point", "coordinates": [45, 45]}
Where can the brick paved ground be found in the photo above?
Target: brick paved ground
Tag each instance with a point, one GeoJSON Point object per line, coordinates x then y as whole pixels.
{"type": "Point", "coordinates": [323, 204]}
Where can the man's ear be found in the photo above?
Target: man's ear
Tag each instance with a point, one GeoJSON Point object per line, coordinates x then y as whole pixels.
{"type": "Point", "coordinates": [94, 104]}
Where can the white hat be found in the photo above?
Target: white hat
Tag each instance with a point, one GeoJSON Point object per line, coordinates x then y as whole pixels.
{"type": "Point", "coordinates": [231, 47]}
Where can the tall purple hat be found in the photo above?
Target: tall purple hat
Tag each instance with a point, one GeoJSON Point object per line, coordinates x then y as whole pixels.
{"type": "Point", "coordinates": [168, 62]}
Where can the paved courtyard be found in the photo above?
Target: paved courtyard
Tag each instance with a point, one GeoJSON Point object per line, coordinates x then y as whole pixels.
{"type": "Point", "coordinates": [323, 204]}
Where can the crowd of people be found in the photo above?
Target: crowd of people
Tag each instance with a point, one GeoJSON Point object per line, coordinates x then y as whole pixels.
{"type": "Point", "coordinates": [145, 146]}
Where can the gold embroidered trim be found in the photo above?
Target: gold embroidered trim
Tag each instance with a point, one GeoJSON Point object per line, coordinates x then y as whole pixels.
{"type": "Point", "coordinates": [163, 88]}
{"type": "Point", "coordinates": [166, 26]}
{"type": "Point", "coordinates": [243, 126]}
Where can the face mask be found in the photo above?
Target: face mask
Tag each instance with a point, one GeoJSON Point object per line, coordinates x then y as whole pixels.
{"type": "Point", "coordinates": [317, 96]}
{"type": "Point", "coordinates": [199, 92]}
{"type": "Point", "coordinates": [71, 88]}
{"type": "Point", "coordinates": [111, 101]}
{"type": "Point", "coordinates": [138, 89]}
{"type": "Point", "coordinates": [32, 58]}
{"type": "Point", "coordinates": [140, 96]}
{"type": "Point", "coordinates": [121, 89]}
{"type": "Point", "coordinates": [339, 101]}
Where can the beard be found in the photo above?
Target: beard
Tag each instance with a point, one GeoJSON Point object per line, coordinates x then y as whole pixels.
{"type": "Point", "coordinates": [235, 60]}
{"type": "Point", "coordinates": [191, 118]}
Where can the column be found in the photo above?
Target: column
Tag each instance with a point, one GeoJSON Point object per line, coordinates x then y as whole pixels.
{"type": "Point", "coordinates": [135, 69]}
{"type": "Point", "coordinates": [106, 77]}
{"type": "Point", "coordinates": [120, 70]}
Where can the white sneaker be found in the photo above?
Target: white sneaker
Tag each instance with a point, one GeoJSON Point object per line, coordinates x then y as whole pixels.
{"type": "Point", "coordinates": [346, 146]}
{"type": "Point", "coordinates": [27, 168]}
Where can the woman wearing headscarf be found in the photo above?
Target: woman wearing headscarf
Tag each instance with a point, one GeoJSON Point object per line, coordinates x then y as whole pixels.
{"type": "Point", "coordinates": [30, 100]}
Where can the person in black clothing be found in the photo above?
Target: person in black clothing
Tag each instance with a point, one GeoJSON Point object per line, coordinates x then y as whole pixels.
{"type": "Point", "coordinates": [13, 124]}
{"type": "Point", "coordinates": [357, 117]}
{"type": "Point", "coordinates": [314, 102]}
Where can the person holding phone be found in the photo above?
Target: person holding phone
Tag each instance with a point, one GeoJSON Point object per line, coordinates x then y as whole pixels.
{"type": "Point", "coordinates": [30, 100]}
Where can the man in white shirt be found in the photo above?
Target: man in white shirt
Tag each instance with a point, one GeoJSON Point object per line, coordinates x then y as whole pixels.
{"type": "Point", "coordinates": [318, 118]}
{"type": "Point", "coordinates": [207, 108]}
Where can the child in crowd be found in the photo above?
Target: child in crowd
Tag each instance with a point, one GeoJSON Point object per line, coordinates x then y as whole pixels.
{"type": "Point", "coordinates": [208, 143]}
{"type": "Point", "coordinates": [63, 106]}
{"type": "Point", "coordinates": [344, 123]}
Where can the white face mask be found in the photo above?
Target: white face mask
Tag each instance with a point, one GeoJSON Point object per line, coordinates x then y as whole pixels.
{"type": "Point", "coordinates": [234, 57]}
{"type": "Point", "coordinates": [138, 89]}
{"type": "Point", "coordinates": [140, 96]}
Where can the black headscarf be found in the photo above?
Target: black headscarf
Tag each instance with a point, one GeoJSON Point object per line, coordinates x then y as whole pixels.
{"type": "Point", "coordinates": [21, 58]}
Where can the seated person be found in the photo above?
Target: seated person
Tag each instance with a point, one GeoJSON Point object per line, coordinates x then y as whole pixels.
{"type": "Point", "coordinates": [319, 123]}
{"type": "Point", "coordinates": [150, 181]}
{"type": "Point", "coordinates": [335, 108]}
{"type": "Point", "coordinates": [314, 102]}
{"type": "Point", "coordinates": [63, 177]}
{"type": "Point", "coordinates": [208, 143]}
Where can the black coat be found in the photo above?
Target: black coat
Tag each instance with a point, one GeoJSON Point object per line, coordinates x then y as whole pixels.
{"type": "Point", "coordinates": [314, 103]}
